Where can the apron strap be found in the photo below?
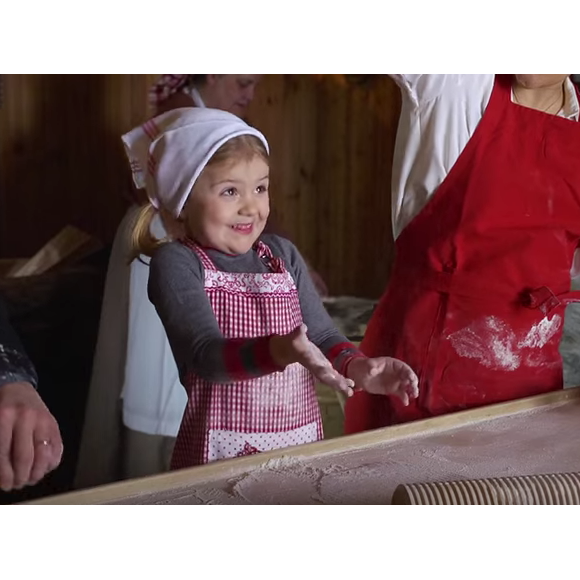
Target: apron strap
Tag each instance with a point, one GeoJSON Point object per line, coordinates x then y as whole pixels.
{"type": "Point", "coordinates": [546, 301]}
{"type": "Point", "coordinates": [205, 259]}
{"type": "Point", "coordinates": [276, 265]}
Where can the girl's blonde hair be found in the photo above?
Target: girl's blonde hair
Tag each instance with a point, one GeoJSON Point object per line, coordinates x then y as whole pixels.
{"type": "Point", "coordinates": [242, 148]}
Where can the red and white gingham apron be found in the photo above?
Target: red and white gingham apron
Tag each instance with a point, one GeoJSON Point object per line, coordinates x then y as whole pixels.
{"type": "Point", "coordinates": [223, 421]}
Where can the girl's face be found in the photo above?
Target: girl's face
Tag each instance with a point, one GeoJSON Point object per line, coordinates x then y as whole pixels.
{"type": "Point", "coordinates": [231, 93]}
{"type": "Point", "coordinates": [540, 81]}
{"type": "Point", "coordinates": [229, 205]}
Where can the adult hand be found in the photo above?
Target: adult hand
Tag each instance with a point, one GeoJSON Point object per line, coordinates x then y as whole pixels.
{"type": "Point", "coordinates": [30, 440]}
{"type": "Point", "coordinates": [384, 376]}
{"type": "Point", "coordinates": [295, 347]}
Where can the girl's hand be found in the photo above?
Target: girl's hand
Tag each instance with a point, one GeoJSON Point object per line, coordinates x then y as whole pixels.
{"type": "Point", "coordinates": [296, 348]}
{"type": "Point", "coordinates": [384, 376]}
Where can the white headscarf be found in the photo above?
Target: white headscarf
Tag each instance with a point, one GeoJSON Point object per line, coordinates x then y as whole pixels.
{"type": "Point", "coordinates": [168, 153]}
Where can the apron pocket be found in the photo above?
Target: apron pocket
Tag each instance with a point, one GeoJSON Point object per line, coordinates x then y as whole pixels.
{"type": "Point", "coordinates": [497, 357]}
{"type": "Point", "coordinates": [224, 444]}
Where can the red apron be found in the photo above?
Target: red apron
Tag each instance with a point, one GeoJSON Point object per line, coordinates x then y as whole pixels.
{"type": "Point", "coordinates": [481, 278]}
{"type": "Point", "coordinates": [279, 410]}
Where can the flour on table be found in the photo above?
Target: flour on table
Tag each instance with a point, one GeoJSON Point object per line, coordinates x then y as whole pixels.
{"type": "Point", "coordinates": [198, 496]}
{"type": "Point", "coordinates": [299, 481]}
{"type": "Point", "coordinates": [534, 442]}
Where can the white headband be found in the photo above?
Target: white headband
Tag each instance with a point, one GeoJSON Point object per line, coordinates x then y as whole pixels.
{"type": "Point", "coordinates": [168, 153]}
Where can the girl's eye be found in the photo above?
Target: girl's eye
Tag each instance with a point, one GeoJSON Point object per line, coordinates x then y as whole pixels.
{"type": "Point", "coordinates": [261, 189]}
{"type": "Point", "coordinates": [229, 192]}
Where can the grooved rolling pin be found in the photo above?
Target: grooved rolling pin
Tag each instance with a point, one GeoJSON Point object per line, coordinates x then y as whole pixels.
{"type": "Point", "coordinates": [554, 489]}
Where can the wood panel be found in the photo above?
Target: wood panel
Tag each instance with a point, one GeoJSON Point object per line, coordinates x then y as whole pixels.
{"type": "Point", "coordinates": [61, 156]}
{"type": "Point", "coordinates": [332, 146]}
{"type": "Point", "coordinates": [61, 162]}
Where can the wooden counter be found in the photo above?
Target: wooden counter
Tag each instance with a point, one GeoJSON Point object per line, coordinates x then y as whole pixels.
{"type": "Point", "coordinates": [532, 436]}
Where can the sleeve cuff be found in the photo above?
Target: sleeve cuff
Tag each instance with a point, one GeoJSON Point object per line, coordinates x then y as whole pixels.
{"type": "Point", "coordinates": [263, 356]}
{"type": "Point", "coordinates": [340, 355]}
{"type": "Point", "coordinates": [249, 358]}
{"type": "Point", "coordinates": [10, 378]}
{"type": "Point", "coordinates": [16, 368]}
{"type": "Point", "coordinates": [344, 368]}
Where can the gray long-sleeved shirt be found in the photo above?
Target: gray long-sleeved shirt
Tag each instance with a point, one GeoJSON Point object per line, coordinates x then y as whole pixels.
{"type": "Point", "coordinates": [176, 289]}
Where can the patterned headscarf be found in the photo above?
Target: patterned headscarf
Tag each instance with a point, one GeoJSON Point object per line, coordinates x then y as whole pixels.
{"type": "Point", "coordinates": [165, 87]}
{"type": "Point", "coordinates": [168, 153]}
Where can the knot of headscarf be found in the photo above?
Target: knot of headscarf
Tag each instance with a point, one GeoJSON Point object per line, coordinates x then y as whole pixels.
{"type": "Point", "coordinates": [166, 86]}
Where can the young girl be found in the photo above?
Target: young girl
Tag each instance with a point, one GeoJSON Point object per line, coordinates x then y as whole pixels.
{"type": "Point", "coordinates": [244, 321]}
{"type": "Point", "coordinates": [136, 400]}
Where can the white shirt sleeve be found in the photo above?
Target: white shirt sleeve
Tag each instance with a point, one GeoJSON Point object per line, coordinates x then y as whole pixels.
{"type": "Point", "coordinates": [438, 117]}
{"type": "Point", "coordinates": [406, 83]}
{"type": "Point", "coordinates": [408, 86]}
{"type": "Point", "coordinates": [421, 89]}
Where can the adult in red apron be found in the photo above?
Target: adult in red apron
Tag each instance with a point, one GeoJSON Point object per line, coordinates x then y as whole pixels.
{"type": "Point", "coordinates": [279, 410]}
{"type": "Point", "coordinates": [482, 275]}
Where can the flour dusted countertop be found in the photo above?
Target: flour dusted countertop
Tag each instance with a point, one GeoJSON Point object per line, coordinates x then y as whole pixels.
{"type": "Point", "coordinates": [530, 437]}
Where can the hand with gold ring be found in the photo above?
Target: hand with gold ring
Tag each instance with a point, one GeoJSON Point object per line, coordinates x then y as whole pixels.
{"type": "Point", "coordinates": [30, 440]}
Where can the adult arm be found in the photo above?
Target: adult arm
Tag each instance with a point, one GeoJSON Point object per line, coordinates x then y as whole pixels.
{"type": "Point", "coordinates": [421, 89]}
{"type": "Point", "coordinates": [15, 366]}
{"type": "Point", "coordinates": [30, 440]}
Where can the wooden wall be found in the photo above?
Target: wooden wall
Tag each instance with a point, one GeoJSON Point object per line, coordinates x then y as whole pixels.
{"type": "Point", "coordinates": [61, 161]}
